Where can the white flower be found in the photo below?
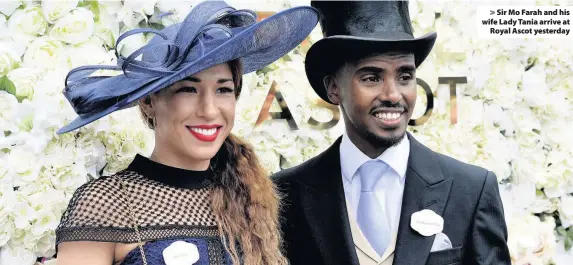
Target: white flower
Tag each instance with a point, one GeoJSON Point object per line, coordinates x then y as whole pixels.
{"type": "Point", "coordinates": [8, 105]}
{"type": "Point", "coordinates": [424, 20]}
{"type": "Point", "coordinates": [522, 195]}
{"type": "Point", "coordinates": [178, 9]}
{"type": "Point", "coordinates": [502, 90]}
{"type": "Point", "coordinates": [123, 134]}
{"type": "Point", "coordinates": [269, 159]}
{"type": "Point", "coordinates": [3, 27]}
{"type": "Point", "coordinates": [93, 152]}
{"type": "Point", "coordinates": [55, 9]}
{"type": "Point", "coordinates": [65, 169]}
{"type": "Point", "coordinates": [45, 52]}
{"type": "Point", "coordinates": [24, 80]}
{"type": "Point", "coordinates": [181, 253]}
{"type": "Point", "coordinates": [75, 27]}
{"type": "Point", "coordinates": [530, 239]}
{"type": "Point", "coordinates": [496, 115]}
{"type": "Point", "coordinates": [23, 166]}
{"type": "Point", "coordinates": [9, 59]}
{"type": "Point", "coordinates": [562, 256]}
{"type": "Point", "coordinates": [7, 202]}
{"type": "Point", "coordinates": [145, 7]}
{"type": "Point", "coordinates": [23, 215]}
{"type": "Point", "coordinates": [566, 210]}
{"type": "Point", "coordinates": [558, 178]}
{"type": "Point", "coordinates": [25, 24]}
{"type": "Point", "coordinates": [8, 7]}
{"type": "Point", "coordinates": [6, 230]}
{"type": "Point", "coordinates": [557, 132]}
{"type": "Point", "coordinates": [46, 221]}
{"type": "Point", "coordinates": [525, 120]}
{"type": "Point", "coordinates": [471, 112]}
{"type": "Point", "coordinates": [23, 121]}
{"type": "Point", "coordinates": [91, 52]}
{"type": "Point", "coordinates": [131, 44]}
{"type": "Point", "coordinates": [50, 84]}
{"type": "Point", "coordinates": [106, 28]}
{"type": "Point", "coordinates": [16, 255]}
{"type": "Point", "coordinates": [45, 246]}
{"type": "Point", "coordinates": [542, 204]}
{"type": "Point", "coordinates": [130, 17]}
{"type": "Point", "coordinates": [534, 90]}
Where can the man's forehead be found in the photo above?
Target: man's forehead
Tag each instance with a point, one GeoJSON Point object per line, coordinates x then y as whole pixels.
{"type": "Point", "coordinates": [387, 57]}
{"type": "Point", "coordinates": [404, 59]}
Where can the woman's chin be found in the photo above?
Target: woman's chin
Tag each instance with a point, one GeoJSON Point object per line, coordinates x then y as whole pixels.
{"type": "Point", "coordinates": [203, 153]}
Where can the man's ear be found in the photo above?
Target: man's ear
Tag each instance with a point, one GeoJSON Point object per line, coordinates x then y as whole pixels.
{"type": "Point", "coordinates": [332, 89]}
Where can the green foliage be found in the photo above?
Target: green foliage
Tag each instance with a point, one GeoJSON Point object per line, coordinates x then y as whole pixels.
{"type": "Point", "coordinates": [567, 234]}
{"type": "Point", "coordinates": [7, 85]}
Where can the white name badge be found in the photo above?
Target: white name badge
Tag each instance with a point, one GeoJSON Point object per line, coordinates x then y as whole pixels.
{"type": "Point", "coordinates": [181, 253]}
{"type": "Point", "coordinates": [427, 222]}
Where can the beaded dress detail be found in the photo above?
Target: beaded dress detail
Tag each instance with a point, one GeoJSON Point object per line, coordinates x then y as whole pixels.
{"type": "Point", "coordinates": [168, 204]}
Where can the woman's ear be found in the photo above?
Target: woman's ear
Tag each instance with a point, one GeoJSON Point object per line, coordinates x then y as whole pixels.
{"type": "Point", "coordinates": [147, 106]}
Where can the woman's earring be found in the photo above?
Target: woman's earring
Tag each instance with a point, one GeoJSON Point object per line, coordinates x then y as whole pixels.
{"type": "Point", "coordinates": [154, 122]}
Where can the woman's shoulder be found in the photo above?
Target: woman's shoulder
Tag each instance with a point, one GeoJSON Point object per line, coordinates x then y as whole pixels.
{"type": "Point", "coordinates": [96, 208]}
{"type": "Point", "coordinates": [102, 188]}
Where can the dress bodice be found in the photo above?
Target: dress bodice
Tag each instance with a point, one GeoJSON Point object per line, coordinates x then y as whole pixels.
{"type": "Point", "coordinates": [209, 252]}
{"type": "Point", "coordinates": [166, 204]}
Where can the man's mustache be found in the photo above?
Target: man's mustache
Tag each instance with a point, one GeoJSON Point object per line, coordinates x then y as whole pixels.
{"type": "Point", "coordinates": [385, 105]}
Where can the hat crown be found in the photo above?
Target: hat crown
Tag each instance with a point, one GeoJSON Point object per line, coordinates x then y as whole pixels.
{"type": "Point", "coordinates": [369, 19]}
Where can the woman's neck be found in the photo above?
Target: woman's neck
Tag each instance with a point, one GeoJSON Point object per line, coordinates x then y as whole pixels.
{"type": "Point", "coordinates": [172, 159]}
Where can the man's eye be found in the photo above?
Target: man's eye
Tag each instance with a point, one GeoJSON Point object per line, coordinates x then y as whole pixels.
{"type": "Point", "coordinates": [186, 90]}
{"type": "Point", "coordinates": [371, 79]}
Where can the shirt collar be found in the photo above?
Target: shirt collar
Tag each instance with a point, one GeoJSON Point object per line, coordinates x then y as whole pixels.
{"type": "Point", "coordinates": [351, 158]}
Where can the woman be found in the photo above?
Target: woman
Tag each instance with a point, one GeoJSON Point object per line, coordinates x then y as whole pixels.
{"type": "Point", "coordinates": [202, 197]}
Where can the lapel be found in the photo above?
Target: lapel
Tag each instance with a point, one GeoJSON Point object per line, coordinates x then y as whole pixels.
{"type": "Point", "coordinates": [425, 188]}
{"type": "Point", "coordinates": [324, 205]}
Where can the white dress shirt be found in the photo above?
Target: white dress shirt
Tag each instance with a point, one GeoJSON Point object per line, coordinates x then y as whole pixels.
{"type": "Point", "coordinates": [390, 187]}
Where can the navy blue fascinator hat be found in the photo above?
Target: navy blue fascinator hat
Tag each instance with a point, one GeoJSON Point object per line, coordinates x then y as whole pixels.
{"type": "Point", "coordinates": [211, 34]}
{"type": "Point", "coordinates": [354, 29]}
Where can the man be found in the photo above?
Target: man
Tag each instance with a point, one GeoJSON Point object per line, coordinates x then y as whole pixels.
{"type": "Point", "coordinates": [378, 196]}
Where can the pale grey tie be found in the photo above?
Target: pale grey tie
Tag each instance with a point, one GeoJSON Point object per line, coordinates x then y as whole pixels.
{"type": "Point", "coordinates": [371, 216]}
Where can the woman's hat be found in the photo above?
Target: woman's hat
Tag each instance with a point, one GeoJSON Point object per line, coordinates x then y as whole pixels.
{"type": "Point", "coordinates": [212, 33]}
{"type": "Point", "coordinates": [353, 29]}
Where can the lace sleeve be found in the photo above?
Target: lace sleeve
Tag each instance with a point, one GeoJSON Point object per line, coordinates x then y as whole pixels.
{"type": "Point", "coordinates": [96, 212]}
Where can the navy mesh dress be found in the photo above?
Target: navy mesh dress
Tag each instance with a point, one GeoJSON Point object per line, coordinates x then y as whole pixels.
{"type": "Point", "coordinates": [168, 204]}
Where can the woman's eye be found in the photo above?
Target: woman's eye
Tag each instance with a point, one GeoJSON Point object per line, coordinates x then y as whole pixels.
{"type": "Point", "coordinates": [405, 78]}
{"type": "Point", "coordinates": [224, 90]}
{"type": "Point", "coordinates": [186, 90]}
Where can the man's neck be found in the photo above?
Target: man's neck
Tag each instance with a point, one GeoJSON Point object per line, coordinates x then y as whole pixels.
{"type": "Point", "coordinates": [366, 147]}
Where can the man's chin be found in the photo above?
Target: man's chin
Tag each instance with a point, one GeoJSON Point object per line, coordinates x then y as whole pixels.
{"type": "Point", "coordinates": [387, 138]}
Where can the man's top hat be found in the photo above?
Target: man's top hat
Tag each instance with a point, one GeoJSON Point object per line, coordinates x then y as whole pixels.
{"type": "Point", "coordinates": [354, 29]}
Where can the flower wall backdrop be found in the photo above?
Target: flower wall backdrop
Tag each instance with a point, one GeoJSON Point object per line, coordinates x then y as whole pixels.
{"type": "Point", "coordinates": [515, 115]}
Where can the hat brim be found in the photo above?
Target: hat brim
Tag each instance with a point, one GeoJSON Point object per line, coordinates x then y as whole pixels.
{"type": "Point", "coordinates": [257, 46]}
{"type": "Point", "coordinates": [328, 54]}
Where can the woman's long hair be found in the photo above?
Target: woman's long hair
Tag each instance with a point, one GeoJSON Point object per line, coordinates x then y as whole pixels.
{"type": "Point", "coordinates": [244, 199]}
{"type": "Point", "coordinates": [246, 206]}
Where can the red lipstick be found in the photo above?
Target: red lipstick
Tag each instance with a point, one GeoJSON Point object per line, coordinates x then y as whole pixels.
{"type": "Point", "coordinates": [205, 133]}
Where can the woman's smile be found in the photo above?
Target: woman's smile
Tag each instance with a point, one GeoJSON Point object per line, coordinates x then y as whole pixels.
{"type": "Point", "coordinates": [206, 133]}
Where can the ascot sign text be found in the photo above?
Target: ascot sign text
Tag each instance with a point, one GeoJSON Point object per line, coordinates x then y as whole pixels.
{"type": "Point", "coordinates": [285, 113]}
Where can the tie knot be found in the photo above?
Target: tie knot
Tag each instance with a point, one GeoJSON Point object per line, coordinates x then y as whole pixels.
{"type": "Point", "coordinates": [370, 172]}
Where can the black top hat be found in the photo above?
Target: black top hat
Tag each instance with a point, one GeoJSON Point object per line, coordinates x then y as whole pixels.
{"type": "Point", "coordinates": [354, 29]}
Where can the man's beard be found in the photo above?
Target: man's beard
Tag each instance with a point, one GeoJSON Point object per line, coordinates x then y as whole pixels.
{"type": "Point", "coordinates": [386, 142]}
